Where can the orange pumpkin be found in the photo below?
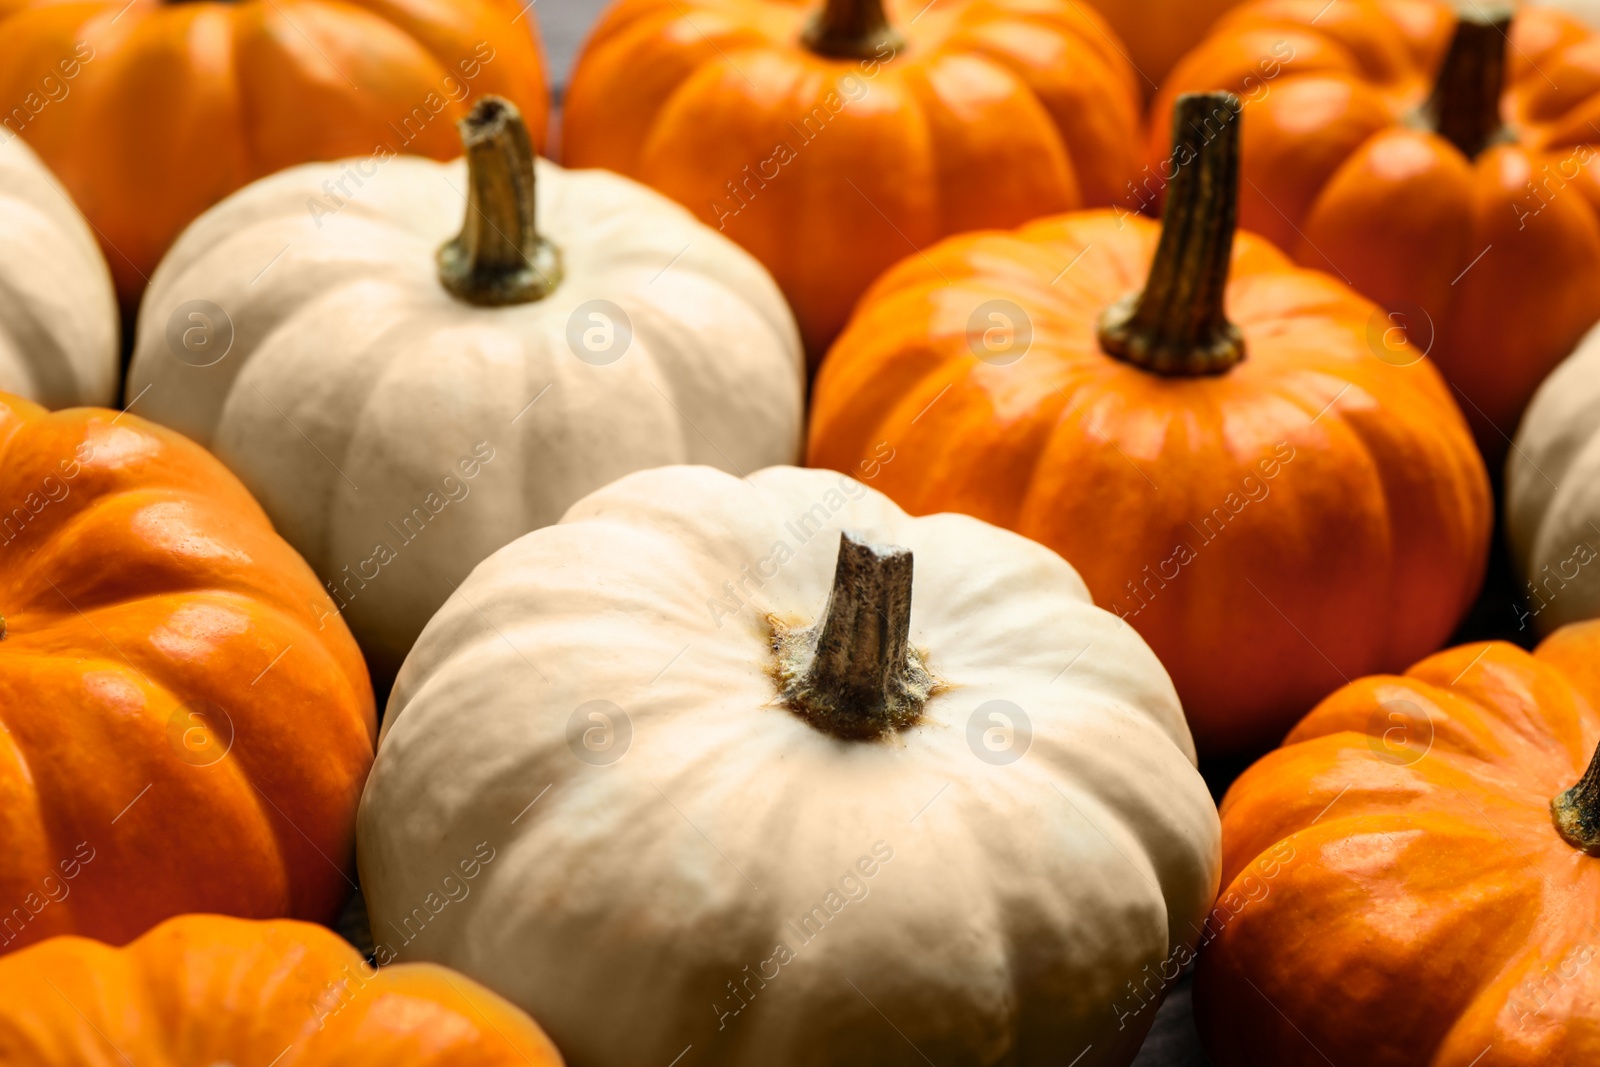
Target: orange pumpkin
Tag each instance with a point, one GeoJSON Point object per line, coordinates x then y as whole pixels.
{"type": "Point", "coordinates": [1224, 457]}
{"type": "Point", "coordinates": [185, 722]}
{"type": "Point", "coordinates": [206, 990]}
{"type": "Point", "coordinates": [1411, 880]}
{"type": "Point", "coordinates": [1449, 170]}
{"type": "Point", "coordinates": [832, 139]}
{"type": "Point", "coordinates": [150, 111]}
{"type": "Point", "coordinates": [1158, 32]}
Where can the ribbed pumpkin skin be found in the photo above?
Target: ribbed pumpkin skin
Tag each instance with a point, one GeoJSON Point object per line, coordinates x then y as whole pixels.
{"type": "Point", "coordinates": [140, 583]}
{"type": "Point", "coordinates": [1336, 511]}
{"type": "Point", "coordinates": [992, 113]}
{"type": "Point", "coordinates": [200, 990]}
{"type": "Point", "coordinates": [1396, 893]}
{"type": "Point", "coordinates": [58, 330]}
{"type": "Point", "coordinates": [1334, 176]}
{"type": "Point", "coordinates": [176, 105]}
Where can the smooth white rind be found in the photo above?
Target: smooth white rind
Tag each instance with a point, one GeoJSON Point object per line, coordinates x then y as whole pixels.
{"type": "Point", "coordinates": [1553, 493]}
{"type": "Point", "coordinates": [58, 311]}
{"type": "Point", "coordinates": [1020, 898]}
{"type": "Point", "coordinates": [356, 383]}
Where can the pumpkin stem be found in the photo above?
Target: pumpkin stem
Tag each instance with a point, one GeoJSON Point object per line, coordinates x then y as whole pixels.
{"type": "Point", "coordinates": [852, 29]}
{"type": "Point", "coordinates": [1576, 812]}
{"type": "Point", "coordinates": [854, 674]}
{"type": "Point", "coordinates": [1177, 325]}
{"type": "Point", "coordinates": [498, 257]}
{"type": "Point", "coordinates": [1465, 106]}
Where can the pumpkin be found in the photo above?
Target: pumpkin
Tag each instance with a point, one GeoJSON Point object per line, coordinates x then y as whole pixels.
{"type": "Point", "coordinates": [1409, 879]}
{"type": "Point", "coordinates": [1157, 34]}
{"type": "Point", "coordinates": [1552, 498]}
{"type": "Point", "coordinates": [1445, 168]}
{"type": "Point", "coordinates": [771, 746]}
{"type": "Point", "coordinates": [151, 111]}
{"type": "Point", "coordinates": [58, 316]}
{"type": "Point", "coordinates": [832, 138]}
{"type": "Point", "coordinates": [204, 989]}
{"type": "Point", "coordinates": [185, 723]}
{"type": "Point", "coordinates": [403, 402]}
{"type": "Point", "coordinates": [1223, 454]}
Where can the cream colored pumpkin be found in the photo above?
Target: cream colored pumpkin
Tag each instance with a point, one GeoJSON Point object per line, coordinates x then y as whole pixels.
{"type": "Point", "coordinates": [690, 848]}
{"type": "Point", "coordinates": [397, 433]}
{"type": "Point", "coordinates": [58, 314]}
{"type": "Point", "coordinates": [1553, 496]}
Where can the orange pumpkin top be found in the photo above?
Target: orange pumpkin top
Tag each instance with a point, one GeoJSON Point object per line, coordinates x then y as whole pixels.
{"type": "Point", "coordinates": [1267, 501]}
{"type": "Point", "coordinates": [185, 722]}
{"type": "Point", "coordinates": [831, 140]}
{"type": "Point", "coordinates": [1448, 170]}
{"type": "Point", "coordinates": [1397, 888]}
{"type": "Point", "coordinates": [203, 990]}
{"type": "Point", "coordinates": [150, 111]}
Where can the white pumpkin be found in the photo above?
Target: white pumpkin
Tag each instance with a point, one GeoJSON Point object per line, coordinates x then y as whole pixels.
{"type": "Point", "coordinates": [402, 410]}
{"type": "Point", "coordinates": [1553, 495]}
{"type": "Point", "coordinates": [58, 312]}
{"type": "Point", "coordinates": [614, 785]}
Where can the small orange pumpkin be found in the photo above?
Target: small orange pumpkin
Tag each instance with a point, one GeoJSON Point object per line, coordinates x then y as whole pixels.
{"type": "Point", "coordinates": [203, 989]}
{"type": "Point", "coordinates": [1223, 457]}
{"type": "Point", "coordinates": [185, 721]}
{"type": "Point", "coordinates": [1448, 169]}
{"type": "Point", "coordinates": [150, 111]}
{"type": "Point", "coordinates": [1412, 878]}
{"type": "Point", "coordinates": [831, 139]}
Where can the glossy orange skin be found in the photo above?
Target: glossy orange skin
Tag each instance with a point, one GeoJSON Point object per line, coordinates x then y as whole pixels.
{"type": "Point", "coordinates": [1397, 894]}
{"type": "Point", "coordinates": [1333, 175]}
{"type": "Point", "coordinates": [1362, 550]}
{"type": "Point", "coordinates": [140, 583]}
{"type": "Point", "coordinates": [203, 990]}
{"type": "Point", "coordinates": [174, 105]}
{"type": "Point", "coordinates": [992, 113]}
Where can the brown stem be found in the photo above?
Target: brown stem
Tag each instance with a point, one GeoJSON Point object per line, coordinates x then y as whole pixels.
{"type": "Point", "coordinates": [1465, 106]}
{"type": "Point", "coordinates": [854, 674]}
{"type": "Point", "coordinates": [498, 257]}
{"type": "Point", "coordinates": [1576, 812]}
{"type": "Point", "coordinates": [852, 29]}
{"type": "Point", "coordinates": [1177, 325]}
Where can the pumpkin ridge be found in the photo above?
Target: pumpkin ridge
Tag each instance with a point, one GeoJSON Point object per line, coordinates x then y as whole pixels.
{"type": "Point", "coordinates": [1026, 114]}
{"type": "Point", "coordinates": [1500, 669]}
{"type": "Point", "coordinates": [42, 846]}
{"type": "Point", "coordinates": [1498, 991]}
{"type": "Point", "coordinates": [51, 370]}
{"type": "Point", "coordinates": [150, 718]}
{"type": "Point", "coordinates": [385, 352]}
{"type": "Point", "coordinates": [1096, 43]}
{"type": "Point", "coordinates": [73, 529]}
{"type": "Point", "coordinates": [250, 160]}
{"type": "Point", "coordinates": [132, 503]}
{"type": "Point", "coordinates": [1495, 951]}
{"type": "Point", "coordinates": [1039, 498]}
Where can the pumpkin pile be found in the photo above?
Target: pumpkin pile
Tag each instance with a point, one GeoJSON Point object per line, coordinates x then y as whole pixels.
{"type": "Point", "coordinates": [421, 643]}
